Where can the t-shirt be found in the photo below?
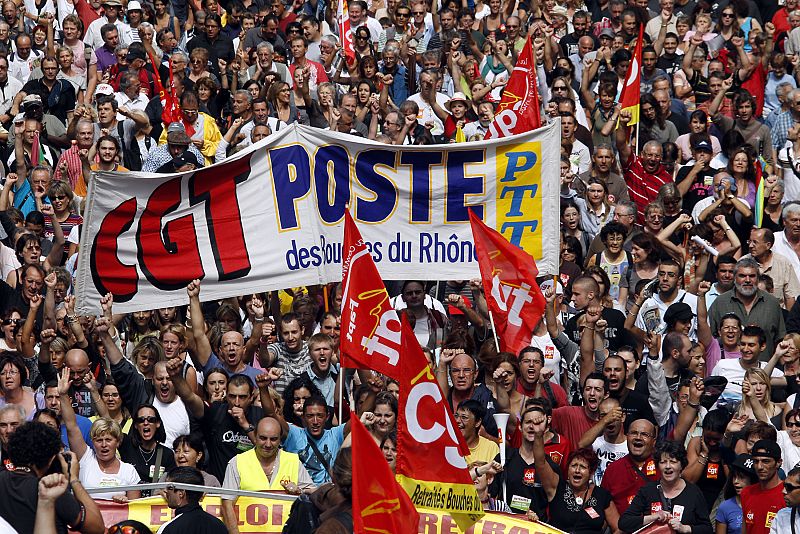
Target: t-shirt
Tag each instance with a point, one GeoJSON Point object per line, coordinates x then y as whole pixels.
{"type": "Point", "coordinates": [214, 361]}
{"type": "Point", "coordinates": [783, 522]}
{"type": "Point", "coordinates": [571, 422]}
{"type": "Point", "coordinates": [607, 452]}
{"type": "Point", "coordinates": [225, 438]}
{"type": "Point", "coordinates": [651, 313]}
{"type": "Point", "coordinates": [623, 479]}
{"type": "Point", "coordinates": [729, 514]}
{"type": "Point", "coordinates": [523, 485]}
{"type": "Point", "coordinates": [18, 503]}
{"type": "Point", "coordinates": [93, 477]}
{"type": "Point", "coordinates": [297, 441]}
{"type": "Point", "coordinates": [587, 517]}
{"type": "Point", "coordinates": [552, 358]}
{"type": "Point", "coordinates": [175, 418]}
{"type": "Point", "coordinates": [789, 451]}
{"type": "Point", "coordinates": [616, 335]}
{"type": "Point", "coordinates": [293, 364]}
{"type": "Point", "coordinates": [760, 506]}
{"type": "Point", "coordinates": [702, 186]}
{"type": "Point", "coordinates": [484, 451]}
{"type": "Point", "coordinates": [732, 370]}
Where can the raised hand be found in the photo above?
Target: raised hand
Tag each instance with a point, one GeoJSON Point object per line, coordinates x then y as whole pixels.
{"type": "Point", "coordinates": [63, 381]}
{"type": "Point", "coordinates": [174, 367]}
{"type": "Point", "coordinates": [47, 336]}
{"type": "Point", "coordinates": [193, 289]}
{"type": "Point", "coordinates": [368, 419]}
{"type": "Point", "coordinates": [36, 301]}
{"type": "Point", "coordinates": [50, 280]}
{"type": "Point", "coordinates": [52, 486]}
{"type": "Point", "coordinates": [107, 303]}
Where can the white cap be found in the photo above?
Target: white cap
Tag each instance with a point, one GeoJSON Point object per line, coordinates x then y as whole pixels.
{"type": "Point", "coordinates": [133, 5]}
{"type": "Point", "coordinates": [547, 284]}
{"type": "Point", "coordinates": [104, 89]}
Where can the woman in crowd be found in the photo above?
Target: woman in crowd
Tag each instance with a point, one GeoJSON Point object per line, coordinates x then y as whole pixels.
{"type": "Point", "coordinates": [61, 196]}
{"type": "Point", "coordinates": [741, 167]}
{"type": "Point", "coordinates": [573, 495]}
{"type": "Point", "coordinates": [571, 226]}
{"type": "Point", "coordinates": [729, 514]}
{"type": "Point", "coordinates": [12, 319]}
{"type": "Point", "coordinates": [698, 124]}
{"type": "Point", "coordinates": [294, 397]}
{"type": "Point", "coordinates": [211, 97]}
{"type": "Point", "coordinates": [789, 439]}
{"type": "Point", "coordinates": [215, 385]}
{"type": "Point", "coordinates": [189, 453]}
{"type": "Point", "coordinates": [595, 208]}
{"type": "Point", "coordinates": [163, 20]}
{"type": "Point", "coordinates": [174, 341]}
{"type": "Point", "coordinates": [773, 207]}
{"type": "Point", "coordinates": [671, 491]}
{"type": "Point", "coordinates": [198, 65]}
{"type": "Point", "coordinates": [321, 111]}
{"type": "Point", "coordinates": [756, 400]}
{"type": "Point", "coordinates": [140, 325]}
{"type": "Point", "coordinates": [281, 105]}
{"type": "Point", "coordinates": [389, 449]}
{"type": "Point", "coordinates": [144, 447]}
{"type": "Point", "coordinates": [145, 355]}
{"type": "Point", "coordinates": [385, 416]}
{"type": "Point", "coordinates": [654, 127]}
{"type": "Point", "coordinates": [13, 375]}
{"type": "Point", "coordinates": [115, 408]}
{"type": "Point", "coordinates": [66, 61]}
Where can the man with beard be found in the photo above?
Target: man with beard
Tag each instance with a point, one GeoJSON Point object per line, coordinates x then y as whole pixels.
{"type": "Point", "coordinates": [232, 344]}
{"type": "Point", "coordinates": [532, 383]}
{"type": "Point", "coordinates": [777, 266]}
{"type": "Point", "coordinates": [265, 466]}
{"type": "Point", "coordinates": [751, 305]}
{"type": "Point", "coordinates": [751, 344]}
{"type": "Point", "coordinates": [625, 476]}
{"type": "Point", "coordinates": [574, 421]}
{"type": "Point", "coordinates": [762, 501]}
{"type": "Point", "coordinates": [634, 404]}
{"type": "Point", "coordinates": [290, 355]}
{"type": "Point", "coordinates": [580, 27]}
{"type": "Point", "coordinates": [607, 438]}
{"type": "Point", "coordinates": [69, 168]}
{"type": "Point", "coordinates": [135, 390]}
{"type": "Point", "coordinates": [644, 173]}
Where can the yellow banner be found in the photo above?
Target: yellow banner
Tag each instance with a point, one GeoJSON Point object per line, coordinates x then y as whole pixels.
{"type": "Point", "coordinates": [268, 516]}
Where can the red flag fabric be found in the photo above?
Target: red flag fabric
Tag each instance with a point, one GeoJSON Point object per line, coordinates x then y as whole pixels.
{"type": "Point", "coordinates": [509, 282]}
{"type": "Point", "coordinates": [370, 325]}
{"type": "Point", "coordinates": [519, 108]}
{"type": "Point", "coordinates": [430, 461]}
{"type": "Point", "coordinates": [171, 111]}
{"type": "Point", "coordinates": [629, 98]}
{"type": "Point", "coordinates": [345, 32]}
{"type": "Point", "coordinates": [37, 154]}
{"type": "Point", "coordinates": [86, 13]}
{"type": "Point", "coordinates": [380, 504]}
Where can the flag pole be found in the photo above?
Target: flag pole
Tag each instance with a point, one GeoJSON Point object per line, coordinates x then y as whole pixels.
{"type": "Point", "coordinates": [341, 390]}
{"type": "Point", "coordinates": [636, 146]}
{"type": "Point", "coordinates": [494, 331]}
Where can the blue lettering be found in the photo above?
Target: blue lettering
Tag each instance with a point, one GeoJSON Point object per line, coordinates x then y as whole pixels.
{"type": "Point", "coordinates": [291, 176]}
{"type": "Point", "coordinates": [517, 196]}
{"type": "Point", "coordinates": [379, 209]}
{"type": "Point", "coordinates": [518, 162]}
{"type": "Point", "coordinates": [421, 163]}
{"type": "Point", "coordinates": [459, 186]}
{"type": "Point", "coordinates": [332, 168]}
{"type": "Point", "coordinates": [518, 229]}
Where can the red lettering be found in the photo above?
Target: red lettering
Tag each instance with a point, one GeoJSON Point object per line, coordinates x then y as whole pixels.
{"type": "Point", "coordinates": [109, 274]}
{"type": "Point", "coordinates": [168, 253]}
{"type": "Point", "coordinates": [277, 514]}
{"type": "Point", "coordinates": [159, 514]}
{"type": "Point", "coordinates": [256, 514]}
{"type": "Point", "coordinates": [215, 510]}
{"type": "Point", "coordinates": [519, 530]}
{"type": "Point", "coordinates": [449, 526]}
{"type": "Point", "coordinates": [223, 217]}
{"type": "Point", "coordinates": [492, 527]}
{"type": "Point", "coordinates": [428, 523]}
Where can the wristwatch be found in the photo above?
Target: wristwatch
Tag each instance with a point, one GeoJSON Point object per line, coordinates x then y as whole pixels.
{"type": "Point", "coordinates": [250, 428]}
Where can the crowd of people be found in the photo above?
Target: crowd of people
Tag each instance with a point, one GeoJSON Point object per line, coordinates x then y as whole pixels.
{"type": "Point", "coordinates": [659, 386]}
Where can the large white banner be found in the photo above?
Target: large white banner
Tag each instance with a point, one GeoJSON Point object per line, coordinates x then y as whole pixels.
{"type": "Point", "coordinates": [271, 217]}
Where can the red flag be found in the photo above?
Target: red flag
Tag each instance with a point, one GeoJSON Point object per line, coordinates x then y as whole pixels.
{"type": "Point", "coordinates": [37, 154]}
{"type": "Point", "coordinates": [379, 503]}
{"type": "Point", "coordinates": [171, 111]}
{"type": "Point", "coordinates": [370, 325]}
{"type": "Point", "coordinates": [430, 461]}
{"type": "Point", "coordinates": [518, 111]}
{"type": "Point", "coordinates": [345, 32]}
{"type": "Point", "coordinates": [629, 98]}
{"type": "Point", "coordinates": [509, 282]}
{"type": "Point", "coordinates": [86, 13]}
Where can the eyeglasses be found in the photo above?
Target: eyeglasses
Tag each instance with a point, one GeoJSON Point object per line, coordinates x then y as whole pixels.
{"type": "Point", "coordinates": [195, 61]}
{"type": "Point", "coordinates": [148, 419]}
{"type": "Point", "coordinates": [10, 372]}
{"type": "Point", "coordinates": [406, 15]}
{"type": "Point", "coordinates": [111, 395]}
{"type": "Point", "coordinates": [645, 435]}
{"type": "Point", "coordinates": [417, 13]}
{"type": "Point", "coordinates": [464, 371]}
{"type": "Point", "coordinates": [365, 37]}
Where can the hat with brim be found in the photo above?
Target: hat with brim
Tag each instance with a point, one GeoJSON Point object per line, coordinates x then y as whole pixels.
{"type": "Point", "coordinates": [607, 32]}
{"type": "Point", "coordinates": [679, 311]}
{"type": "Point", "coordinates": [765, 448]}
{"type": "Point", "coordinates": [457, 97]}
{"type": "Point", "coordinates": [178, 138]}
{"type": "Point", "coordinates": [112, 3]}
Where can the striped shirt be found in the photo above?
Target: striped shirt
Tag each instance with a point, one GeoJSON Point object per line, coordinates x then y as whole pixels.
{"type": "Point", "coordinates": [642, 185]}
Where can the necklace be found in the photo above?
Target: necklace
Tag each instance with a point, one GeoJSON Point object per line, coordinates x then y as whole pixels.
{"type": "Point", "coordinates": [147, 458]}
{"type": "Point", "coordinates": [579, 500]}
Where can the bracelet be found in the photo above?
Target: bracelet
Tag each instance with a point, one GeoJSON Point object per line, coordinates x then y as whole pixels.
{"type": "Point", "coordinates": [694, 405]}
{"type": "Point", "coordinates": [589, 328]}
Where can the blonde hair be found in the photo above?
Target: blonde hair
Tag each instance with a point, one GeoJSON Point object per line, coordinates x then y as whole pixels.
{"type": "Point", "coordinates": [173, 328]}
{"type": "Point", "coordinates": [104, 425]}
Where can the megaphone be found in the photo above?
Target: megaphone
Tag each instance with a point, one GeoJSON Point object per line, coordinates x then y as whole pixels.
{"type": "Point", "coordinates": [501, 419]}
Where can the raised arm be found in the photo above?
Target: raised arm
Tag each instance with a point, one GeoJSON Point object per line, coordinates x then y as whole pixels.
{"type": "Point", "coordinates": [704, 334]}
{"type": "Point", "coordinates": [194, 404]}
{"type": "Point", "coordinates": [202, 346]}
{"type": "Point", "coordinates": [74, 434]}
{"type": "Point", "coordinates": [264, 381]}
{"type": "Point", "coordinates": [623, 137]}
{"type": "Point", "coordinates": [546, 474]}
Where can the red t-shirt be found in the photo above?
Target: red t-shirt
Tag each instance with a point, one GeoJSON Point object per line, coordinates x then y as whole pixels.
{"type": "Point", "coordinates": [642, 185]}
{"type": "Point", "coordinates": [755, 85]}
{"type": "Point", "coordinates": [760, 506]}
{"type": "Point", "coordinates": [623, 479]}
{"type": "Point", "coordinates": [559, 397]}
{"type": "Point", "coordinates": [571, 422]}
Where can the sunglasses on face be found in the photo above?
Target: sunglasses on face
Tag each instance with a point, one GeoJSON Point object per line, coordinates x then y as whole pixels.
{"type": "Point", "coordinates": [792, 424]}
{"type": "Point", "coordinates": [9, 322]}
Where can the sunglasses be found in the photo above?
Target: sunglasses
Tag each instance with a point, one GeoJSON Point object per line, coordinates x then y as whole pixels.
{"type": "Point", "coordinates": [148, 419]}
{"type": "Point", "coordinates": [365, 37]}
{"type": "Point", "coordinates": [724, 15]}
{"type": "Point", "coordinates": [127, 529]}
{"type": "Point", "coordinates": [59, 197]}
{"type": "Point", "coordinates": [171, 488]}
{"type": "Point", "coordinates": [9, 322]}
{"type": "Point", "coordinates": [794, 424]}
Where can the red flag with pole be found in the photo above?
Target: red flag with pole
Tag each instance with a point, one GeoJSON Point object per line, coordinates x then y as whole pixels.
{"type": "Point", "coordinates": [345, 32]}
{"type": "Point", "coordinates": [380, 504]}
{"type": "Point", "coordinates": [629, 98]}
{"type": "Point", "coordinates": [509, 283]}
{"type": "Point", "coordinates": [370, 329]}
{"type": "Point", "coordinates": [518, 111]}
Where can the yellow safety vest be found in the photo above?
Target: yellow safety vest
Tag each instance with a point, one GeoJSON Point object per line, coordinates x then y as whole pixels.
{"type": "Point", "coordinates": [253, 478]}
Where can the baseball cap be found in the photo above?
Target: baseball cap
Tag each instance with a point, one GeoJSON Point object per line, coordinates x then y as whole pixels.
{"type": "Point", "coordinates": [104, 89]}
{"type": "Point", "coordinates": [607, 32]}
{"type": "Point", "coordinates": [766, 448]}
{"type": "Point", "coordinates": [702, 145]}
{"type": "Point", "coordinates": [185, 158]}
{"type": "Point", "coordinates": [744, 463]}
{"type": "Point", "coordinates": [679, 311]}
{"type": "Point", "coordinates": [547, 284]}
{"type": "Point", "coordinates": [31, 100]}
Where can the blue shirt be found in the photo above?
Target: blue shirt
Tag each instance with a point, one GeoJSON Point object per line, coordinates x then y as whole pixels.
{"type": "Point", "coordinates": [250, 372]}
{"type": "Point", "coordinates": [297, 441]}
{"type": "Point", "coordinates": [730, 513]}
{"type": "Point", "coordinates": [85, 427]}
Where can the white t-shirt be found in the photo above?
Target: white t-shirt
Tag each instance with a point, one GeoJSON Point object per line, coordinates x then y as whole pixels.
{"type": "Point", "coordinates": [426, 113]}
{"type": "Point", "coordinates": [732, 370]}
{"type": "Point", "coordinates": [651, 314]}
{"type": "Point", "coordinates": [93, 477]}
{"type": "Point", "coordinates": [552, 358]}
{"type": "Point", "coordinates": [790, 452]}
{"type": "Point", "coordinates": [175, 417]}
{"type": "Point", "coordinates": [607, 453]}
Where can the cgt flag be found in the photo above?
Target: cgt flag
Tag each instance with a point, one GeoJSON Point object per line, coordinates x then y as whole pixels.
{"type": "Point", "coordinates": [430, 461]}
{"type": "Point", "coordinates": [380, 505]}
{"type": "Point", "coordinates": [345, 32]}
{"type": "Point", "coordinates": [519, 108]}
{"type": "Point", "coordinates": [370, 325]}
{"type": "Point", "coordinates": [509, 282]}
{"type": "Point", "coordinates": [629, 99]}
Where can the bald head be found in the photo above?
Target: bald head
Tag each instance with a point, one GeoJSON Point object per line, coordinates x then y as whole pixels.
{"type": "Point", "coordinates": [78, 363]}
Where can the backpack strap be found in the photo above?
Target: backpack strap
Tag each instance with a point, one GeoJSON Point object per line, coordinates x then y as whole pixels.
{"type": "Point", "coordinates": [319, 455]}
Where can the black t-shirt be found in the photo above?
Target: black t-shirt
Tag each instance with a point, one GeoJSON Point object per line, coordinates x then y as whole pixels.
{"type": "Point", "coordinates": [669, 64]}
{"type": "Point", "coordinates": [689, 504]}
{"type": "Point", "coordinates": [522, 482]}
{"type": "Point", "coordinates": [18, 501]}
{"type": "Point", "coordinates": [616, 335]}
{"type": "Point", "coordinates": [636, 406]}
{"type": "Point", "coordinates": [702, 186]}
{"type": "Point", "coordinates": [82, 401]}
{"type": "Point", "coordinates": [225, 438]}
{"type": "Point", "coordinates": [588, 517]}
{"type": "Point", "coordinates": [145, 462]}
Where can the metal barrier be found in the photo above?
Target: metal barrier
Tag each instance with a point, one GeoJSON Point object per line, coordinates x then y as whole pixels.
{"type": "Point", "coordinates": [210, 490]}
